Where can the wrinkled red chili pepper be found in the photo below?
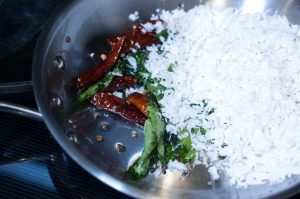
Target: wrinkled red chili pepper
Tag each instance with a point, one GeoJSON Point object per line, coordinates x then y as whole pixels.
{"type": "Point", "coordinates": [138, 37]}
{"type": "Point", "coordinates": [119, 106]}
{"type": "Point", "coordinates": [91, 76]}
{"type": "Point", "coordinates": [139, 101]}
{"type": "Point", "coordinates": [120, 83]}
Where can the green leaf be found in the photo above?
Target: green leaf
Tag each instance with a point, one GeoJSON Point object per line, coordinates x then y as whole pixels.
{"type": "Point", "coordinates": [140, 56]}
{"type": "Point", "coordinates": [221, 157]}
{"type": "Point", "coordinates": [139, 169]}
{"type": "Point", "coordinates": [170, 154]}
{"type": "Point", "coordinates": [154, 129]}
{"type": "Point", "coordinates": [157, 124]}
{"type": "Point", "coordinates": [186, 152]}
{"type": "Point", "coordinates": [161, 147]}
{"type": "Point", "coordinates": [150, 138]}
{"type": "Point", "coordinates": [211, 111]}
{"type": "Point", "coordinates": [155, 88]}
{"type": "Point", "coordinates": [186, 142]}
{"type": "Point", "coordinates": [87, 94]}
{"type": "Point", "coordinates": [191, 155]}
{"type": "Point", "coordinates": [204, 103]}
{"type": "Point", "coordinates": [101, 84]}
{"type": "Point", "coordinates": [202, 131]}
{"type": "Point", "coordinates": [170, 68]}
{"type": "Point", "coordinates": [183, 131]}
{"type": "Point", "coordinates": [195, 130]}
{"type": "Point", "coordinates": [181, 153]}
{"type": "Point", "coordinates": [164, 34]}
{"type": "Point", "coordinates": [142, 74]}
{"type": "Point", "coordinates": [211, 141]}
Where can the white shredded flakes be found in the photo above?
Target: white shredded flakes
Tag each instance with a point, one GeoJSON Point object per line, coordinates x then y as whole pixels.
{"type": "Point", "coordinates": [149, 27]}
{"type": "Point", "coordinates": [132, 63]}
{"type": "Point", "coordinates": [247, 68]}
{"type": "Point", "coordinates": [175, 165]}
{"type": "Point", "coordinates": [118, 73]}
{"type": "Point", "coordinates": [91, 55]}
{"type": "Point", "coordinates": [137, 45]}
{"type": "Point", "coordinates": [158, 172]}
{"type": "Point", "coordinates": [134, 16]}
{"type": "Point", "coordinates": [118, 94]}
{"type": "Point", "coordinates": [129, 91]}
{"type": "Point", "coordinates": [213, 172]}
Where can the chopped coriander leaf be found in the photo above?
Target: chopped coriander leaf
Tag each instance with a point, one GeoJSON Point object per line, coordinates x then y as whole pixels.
{"type": "Point", "coordinates": [193, 104]}
{"type": "Point", "coordinates": [186, 142]}
{"type": "Point", "coordinates": [221, 157]}
{"type": "Point", "coordinates": [202, 131]}
{"type": "Point", "coordinates": [140, 58]}
{"type": "Point", "coordinates": [211, 141]}
{"type": "Point", "coordinates": [191, 155]}
{"type": "Point", "coordinates": [164, 34]}
{"type": "Point", "coordinates": [204, 103]}
{"type": "Point", "coordinates": [186, 152]}
{"type": "Point", "coordinates": [185, 130]}
{"type": "Point", "coordinates": [142, 74]}
{"type": "Point", "coordinates": [195, 130]}
{"type": "Point", "coordinates": [155, 88]}
{"type": "Point", "coordinates": [211, 111]}
{"type": "Point", "coordinates": [170, 68]}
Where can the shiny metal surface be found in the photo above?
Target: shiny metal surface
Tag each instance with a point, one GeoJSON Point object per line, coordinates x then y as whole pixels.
{"type": "Point", "coordinates": [20, 110]}
{"type": "Point", "coordinates": [15, 87]}
{"type": "Point", "coordinates": [88, 23]}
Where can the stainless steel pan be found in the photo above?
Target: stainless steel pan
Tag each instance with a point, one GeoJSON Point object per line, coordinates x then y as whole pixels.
{"type": "Point", "coordinates": [87, 24]}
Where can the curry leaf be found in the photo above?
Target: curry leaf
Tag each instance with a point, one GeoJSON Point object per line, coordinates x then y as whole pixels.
{"type": "Point", "coordinates": [153, 139]}
{"type": "Point", "coordinates": [85, 95]}
{"type": "Point", "coordinates": [101, 84]}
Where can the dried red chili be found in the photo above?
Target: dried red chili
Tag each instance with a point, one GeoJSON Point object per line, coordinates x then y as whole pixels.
{"type": "Point", "coordinates": [119, 44]}
{"type": "Point", "coordinates": [139, 101]}
{"type": "Point", "coordinates": [91, 76]}
{"type": "Point", "coordinates": [119, 106]}
{"type": "Point", "coordinates": [120, 83]}
{"type": "Point", "coordinates": [139, 38]}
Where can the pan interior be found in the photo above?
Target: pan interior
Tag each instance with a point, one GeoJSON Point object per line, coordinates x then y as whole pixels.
{"type": "Point", "coordinates": [90, 136]}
